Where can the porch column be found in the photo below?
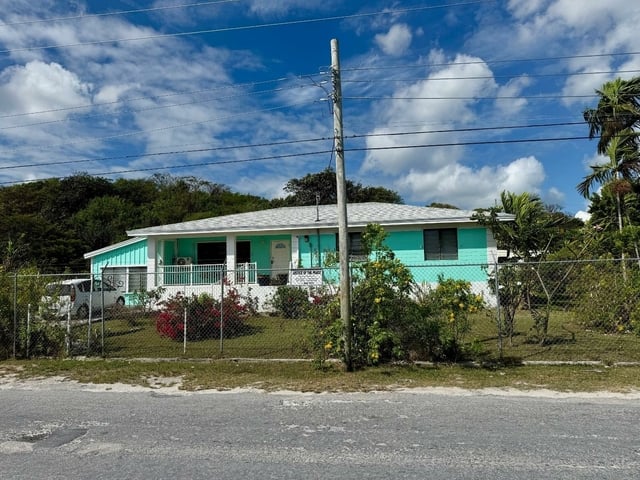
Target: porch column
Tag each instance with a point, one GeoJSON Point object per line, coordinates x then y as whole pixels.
{"type": "Point", "coordinates": [231, 258]}
{"type": "Point", "coordinates": [295, 251]}
{"type": "Point", "coordinates": [151, 263]}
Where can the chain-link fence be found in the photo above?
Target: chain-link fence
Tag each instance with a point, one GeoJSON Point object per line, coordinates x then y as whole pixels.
{"type": "Point", "coordinates": [548, 311]}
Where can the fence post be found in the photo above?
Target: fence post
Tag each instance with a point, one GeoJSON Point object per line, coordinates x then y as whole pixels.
{"type": "Point", "coordinates": [221, 314]}
{"type": "Point", "coordinates": [67, 339]}
{"type": "Point", "coordinates": [184, 331]}
{"type": "Point", "coordinates": [28, 328]}
{"type": "Point", "coordinates": [498, 322]}
{"type": "Point", "coordinates": [15, 312]}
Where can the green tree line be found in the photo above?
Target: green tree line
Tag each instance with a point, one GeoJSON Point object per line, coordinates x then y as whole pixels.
{"type": "Point", "coordinates": [50, 224]}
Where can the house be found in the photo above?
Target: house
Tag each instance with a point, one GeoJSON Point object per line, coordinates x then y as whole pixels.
{"type": "Point", "coordinates": [260, 250]}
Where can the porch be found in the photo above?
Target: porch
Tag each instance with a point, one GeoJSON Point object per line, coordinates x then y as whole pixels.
{"type": "Point", "coordinates": [207, 274]}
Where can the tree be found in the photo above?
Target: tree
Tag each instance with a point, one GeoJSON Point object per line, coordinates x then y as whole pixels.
{"type": "Point", "coordinates": [616, 119]}
{"type": "Point", "coordinates": [534, 232]}
{"type": "Point", "coordinates": [303, 191]}
{"type": "Point", "coordinates": [618, 175]}
{"type": "Point", "coordinates": [618, 110]}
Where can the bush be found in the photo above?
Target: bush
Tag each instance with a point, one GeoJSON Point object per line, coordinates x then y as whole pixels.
{"type": "Point", "coordinates": [290, 302]}
{"type": "Point", "coordinates": [605, 300]}
{"type": "Point", "coordinates": [44, 339]}
{"type": "Point", "coordinates": [206, 317]}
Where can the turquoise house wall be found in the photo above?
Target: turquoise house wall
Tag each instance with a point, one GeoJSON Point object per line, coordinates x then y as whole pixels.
{"type": "Point", "coordinates": [129, 255]}
{"type": "Point", "coordinates": [313, 249]}
{"type": "Point", "coordinates": [472, 253]}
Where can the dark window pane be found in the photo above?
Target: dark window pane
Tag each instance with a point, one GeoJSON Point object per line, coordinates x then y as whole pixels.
{"type": "Point", "coordinates": [441, 244]}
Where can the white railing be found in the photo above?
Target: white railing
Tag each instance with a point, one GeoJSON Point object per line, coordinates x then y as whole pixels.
{"type": "Point", "coordinates": [206, 274]}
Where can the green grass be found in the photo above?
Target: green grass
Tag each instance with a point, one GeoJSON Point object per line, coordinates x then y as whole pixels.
{"type": "Point", "coordinates": [274, 337]}
{"type": "Point", "coordinates": [567, 340]}
{"type": "Point", "coordinates": [302, 376]}
{"type": "Point", "coordinates": [262, 337]}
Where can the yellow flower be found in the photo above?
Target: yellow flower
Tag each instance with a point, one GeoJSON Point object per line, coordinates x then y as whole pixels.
{"type": "Point", "coordinates": [374, 355]}
{"type": "Point", "coordinates": [461, 305]}
{"type": "Point", "coordinates": [328, 346]}
{"type": "Point", "coordinates": [377, 300]}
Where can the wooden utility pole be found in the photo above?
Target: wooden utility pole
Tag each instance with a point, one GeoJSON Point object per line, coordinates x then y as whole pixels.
{"type": "Point", "coordinates": [343, 237]}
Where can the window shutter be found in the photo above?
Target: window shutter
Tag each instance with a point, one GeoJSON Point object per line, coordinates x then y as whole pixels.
{"type": "Point", "coordinates": [449, 244]}
{"type": "Point", "coordinates": [431, 245]}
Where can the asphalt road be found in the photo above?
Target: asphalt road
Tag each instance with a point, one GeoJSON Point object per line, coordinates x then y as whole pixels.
{"type": "Point", "coordinates": [65, 431]}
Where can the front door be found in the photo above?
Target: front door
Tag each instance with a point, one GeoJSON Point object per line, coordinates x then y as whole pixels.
{"type": "Point", "coordinates": [280, 257]}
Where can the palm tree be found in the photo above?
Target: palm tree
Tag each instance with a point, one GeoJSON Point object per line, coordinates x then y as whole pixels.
{"type": "Point", "coordinates": [618, 110]}
{"type": "Point", "coordinates": [619, 173]}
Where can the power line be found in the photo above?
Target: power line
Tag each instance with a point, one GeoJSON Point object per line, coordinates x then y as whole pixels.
{"type": "Point", "coordinates": [245, 27]}
{"type": "Point", "coordinates": [491, 62]}
{"type": "Point", "coordinates": [110, 14]}
{"type": "Point", "coordinates": [157, 107]}
{"type": "Point", "coordinates": [504, 97]}
{"type": "Point", "coordinates": [488, 77]}
{"type": "Point", "coordinates": [289, 142]}
{"type": "Point", "coordinates": [319, 152]}
{"type": "Point", "coordinates": [164, 95]}
{"type": "Point", "coordinates": [464, 130]}
{"type": "Point", "coordinates": [181, 166]}
{"type": "Point", "coordinates": [462, 144]}
{"type": "Point", "coordinates": [157, 154]}
{"type": "Point", "coordinates": [159, 129]}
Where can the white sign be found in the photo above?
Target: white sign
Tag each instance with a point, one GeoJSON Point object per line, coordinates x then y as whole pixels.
{"type": "Point", "coordinates": [306, 277]}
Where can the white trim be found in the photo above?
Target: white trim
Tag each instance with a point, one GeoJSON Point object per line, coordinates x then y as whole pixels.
{"type": "Point", "coordinates": [115, 246]}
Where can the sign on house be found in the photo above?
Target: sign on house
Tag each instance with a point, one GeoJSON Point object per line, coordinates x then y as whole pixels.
{"type": "Point", "coordinates": [306, 277]}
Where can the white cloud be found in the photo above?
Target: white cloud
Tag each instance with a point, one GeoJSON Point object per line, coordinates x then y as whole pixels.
{"type": "Point", "coordinates": [396, 41]}
{"type": "Point", "coordinates": [439, 102]}
{"type": "Point", "coordinates": [267, 8]}
{"type": "Point", "coordinates": [582, 215]}
{"type": "Point", "coordinates": [513, 88]}
{"type": "Point", "coordinates": [468, 188]}
{"type": "Point", "coordinates": [41, 87]}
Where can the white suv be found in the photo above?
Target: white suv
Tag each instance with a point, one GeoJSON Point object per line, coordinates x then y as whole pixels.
{"type": "Point", "coordinates": [75, 296]}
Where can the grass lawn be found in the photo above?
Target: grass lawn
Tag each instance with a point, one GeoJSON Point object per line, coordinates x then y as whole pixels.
{"type": "Point", "coordinates": [303, 376]}
{"type": "Point", "coordinates": [567, 340]}
{"type": "Point", "coordinates": [272, 337]}
{"type": "Point", "coordinates": [261, 337]}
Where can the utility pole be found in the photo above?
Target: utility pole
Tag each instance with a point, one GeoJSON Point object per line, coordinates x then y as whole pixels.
{"type": "Point", "coordinates": [343, 237]}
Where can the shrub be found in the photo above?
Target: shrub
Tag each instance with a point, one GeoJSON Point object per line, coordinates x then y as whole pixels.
{"type": "Point", "coordinates": [290, 302]}
{"type": "Point", "coordinates": [206, 317]}
{"type": "Point", "coordinates": [44, 339]}
{"type": "Point", "coordinates": [444, 318]}
{"type": "Point", "coordinates": [605, 300]}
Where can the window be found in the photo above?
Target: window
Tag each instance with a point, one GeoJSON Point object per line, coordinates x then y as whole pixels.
{"type": "Point", "coordinates": [441, 244]}
{"type": "Point", "coordinates": [137, 279]}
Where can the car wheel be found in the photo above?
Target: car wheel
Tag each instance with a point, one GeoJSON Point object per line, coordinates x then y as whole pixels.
{"type": "Point", "coordinates": [83, 311]}
{"type": "Point", "coordinates": [120, 301]}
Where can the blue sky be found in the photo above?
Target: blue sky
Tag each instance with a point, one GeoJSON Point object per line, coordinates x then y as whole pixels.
{"type": "Point", "coordinates": [236, 92]}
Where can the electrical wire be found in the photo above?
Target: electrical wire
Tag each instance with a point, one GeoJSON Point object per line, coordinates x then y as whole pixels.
{"type": "Point", "coordinates": [243, 27]}
{"type": "Point", "coordinates": [288, 142]}
{"type": "Point", "coordinates": [489, 62]}
{"type": "Point", "coordinates": [319, 152]}
{"type": "Point", "coordinates": [488, 77]}
{"type": "Point", "coordinates": [155, 107]}
{"type": "Point", "coordinates": [110, 14]}
{"type": "Point", "coordinates": [159, 129]}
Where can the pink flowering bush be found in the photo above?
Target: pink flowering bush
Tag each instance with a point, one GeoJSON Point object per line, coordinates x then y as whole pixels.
{"type": "Point", "coordinates": [206, 317]}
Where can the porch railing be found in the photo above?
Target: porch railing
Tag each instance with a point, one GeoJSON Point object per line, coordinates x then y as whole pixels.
{"type": "Point", "coordinates": [206, 274]}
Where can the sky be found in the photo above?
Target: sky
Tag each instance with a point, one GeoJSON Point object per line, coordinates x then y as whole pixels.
{"type": "Point", "coordinates": [447, 101]}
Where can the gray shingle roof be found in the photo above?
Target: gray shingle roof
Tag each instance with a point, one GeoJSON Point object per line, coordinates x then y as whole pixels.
{"type": "Point", "coordinates": [323, 217]}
